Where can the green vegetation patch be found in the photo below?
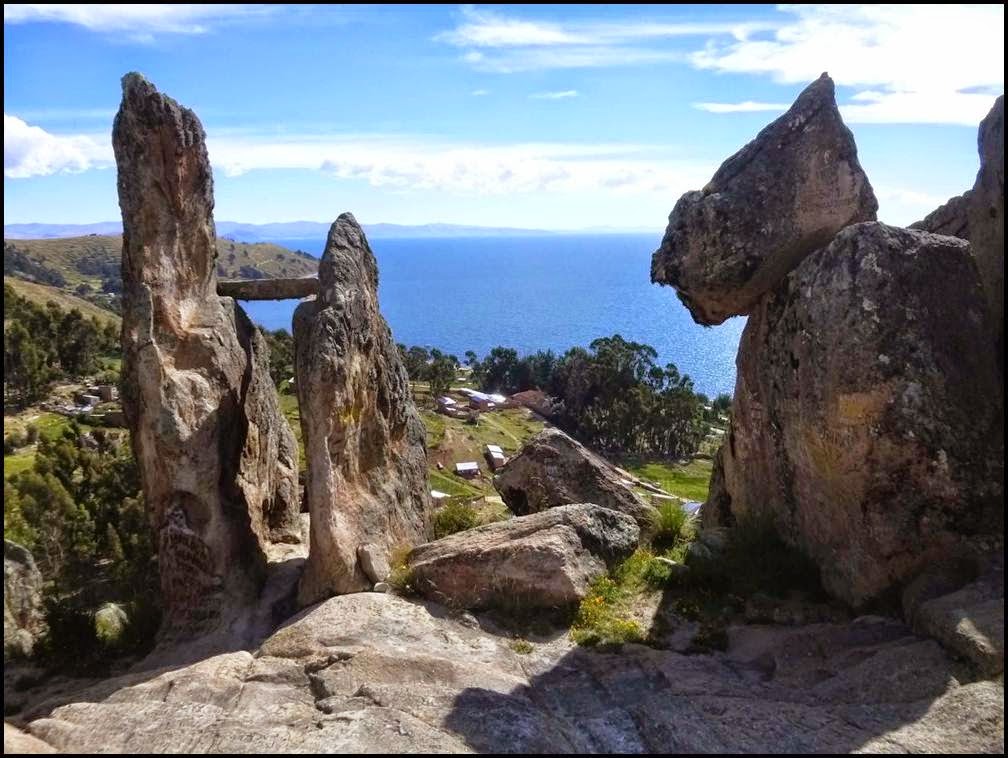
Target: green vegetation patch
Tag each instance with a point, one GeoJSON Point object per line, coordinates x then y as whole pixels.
{"type": "Point", "coordinates": [602, 617]}
{"type": "Point", "coordinates": [459, 514]}
{"type": "Point", "coordinates": [690, 481]}
{"type": "Point", "coordinates": [40, 294]}
{"type": "Point", "coordinates": [671, 525]}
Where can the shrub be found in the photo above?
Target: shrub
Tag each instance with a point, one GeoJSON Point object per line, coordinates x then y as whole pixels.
{"type": "Point", "coordinates": [670, 525]}
{"type": "Point", "coordinates": [522, 647]}
{"type": "Point", "coordinates": [598, 620]}
{"type": "Point", "coordinates": [31, 434]}
{"type": "Point", "coordinates": [401, 579]}
{"type": "Point", "coordinates": [13, 441]}
{"type": "Point", "coordinates": [454, 516]}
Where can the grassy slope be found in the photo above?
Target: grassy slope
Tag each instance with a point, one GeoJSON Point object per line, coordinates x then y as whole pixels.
{"type": "Point", "coordinates": [64, 255]}
{"type": "Point", "coordinates": [41, 294]}
{"type": "Point", "coordinates": [50, 426]}
{"type": "Point", "coordinates": [451, 440]}
{"type": "Point", "coordinates": [690, 480]}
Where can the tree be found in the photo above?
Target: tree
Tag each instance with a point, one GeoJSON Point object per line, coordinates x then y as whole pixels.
{"type": "Point", "coordinates": [281, 347]}
{"type": "Point", "coordinates": [498, 369]}
{"type": "Point", "coordinates": [26, 372]}
{"type": "Point", "coordinates": [440, 374]}
{"type": "Point", "coordinates": [722, 404]}
{"type": "Point", "coordinates": [416, 359]}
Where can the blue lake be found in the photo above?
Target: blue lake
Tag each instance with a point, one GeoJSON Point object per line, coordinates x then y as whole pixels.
{"type": "Point", "coordinates": [532, 293]}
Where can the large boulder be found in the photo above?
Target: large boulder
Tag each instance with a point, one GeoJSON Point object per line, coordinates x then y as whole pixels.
{"type": "Point", "coordinates": [363, 436]}
{"type": "Point", "coordinates": [545, 560]}
{"type": "Point", "coordinates": [779, 198]}
{"type": "Point", "coordinates": [553, 469]}
{"type": "Point", "coordinates": [217, 459]}
{"type": "Point", "coordinates": [978, 216]}
{"type": "Point", "coordinates": [24, 618]}
{"type": "Point", "coordinates": [867, 415]}
{"type": "Point", "coordinates": [370, 672]}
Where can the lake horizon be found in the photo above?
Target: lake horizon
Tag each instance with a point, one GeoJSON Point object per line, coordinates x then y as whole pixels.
{"type": "Point", "coordinates": [531, 293]}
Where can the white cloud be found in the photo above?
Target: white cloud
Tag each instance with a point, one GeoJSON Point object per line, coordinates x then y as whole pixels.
{"type": "Point", "coordinates": [67, 114]}
{"type": "Point", "coordinates": [139, 21]}
{"type": "Point", "coordinates": [398, 162]}
{"type": "Point", "coordinates": [32, 151]}
{"type": "Point", "coordinates": [424, 163]}
{"type": "Point", "coordinates": [902, 206]}
{"type": "Point", "coordinates": [561, 95]}
{"type": "Point", "coordinates": [916, 64]}
{"type": "Point", "coordinates": [504, 44]}
{"type": "Point", "coordinates": [480, 92]}
{"type": "Point", "coordinates": [749, 106]}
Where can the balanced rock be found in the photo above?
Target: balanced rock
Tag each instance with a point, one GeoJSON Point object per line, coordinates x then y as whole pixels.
{"type": "Point", "coordinates": [978, 216]}
{"type": "Point", "coordinates": [553, 469]}
{"type": "Point", "coordinates": [363, 436]}
{"type": "Point", "coordinates": [217, 459]}
{"type": "Point", "coordinates": [545, 560]}
{"type": "Point", "coordinates": [867, 419]}
{"type": "Point", "coordinates": [24, 619]}
{"type": "Point", "coordinates": [779, 198]}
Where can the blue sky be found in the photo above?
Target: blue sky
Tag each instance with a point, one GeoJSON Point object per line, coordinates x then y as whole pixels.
{"type": "Point", "coordinates": [558, 117]}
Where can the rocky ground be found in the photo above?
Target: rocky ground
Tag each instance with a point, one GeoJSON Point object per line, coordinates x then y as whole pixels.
{"type": "Point", "coordinates": [375, 672]}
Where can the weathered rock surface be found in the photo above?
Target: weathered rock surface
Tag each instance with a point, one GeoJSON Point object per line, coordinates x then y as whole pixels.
{"type": "Point", "coordinates": [779, 198]}
{"type": "Point", "coordinates": [16, 742]}
{"type": "Point", "coordinates": [553, 469]}
{"type": "Point", "coordinates": [371, 672]}
{"type": "Point", "coordinates": [364, 439]}
{"type": "Point", "coordinates": [867, 415]}
{"type": "Point", "coordinates": [969, 621]}
{"type": "Point", "coordinates": [24, 618]}
{"type": "Point", "coordinates": [978, 216]}
{"type": "Point", "coordinates": [217, 459]}
{"type": "Point", "coordinates": [269, 289]}
{"type": "Point", "coordinates": [545, 560]}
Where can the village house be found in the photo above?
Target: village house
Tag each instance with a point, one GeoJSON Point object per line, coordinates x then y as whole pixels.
{"type": "Point", "coordinates": [467, 469]}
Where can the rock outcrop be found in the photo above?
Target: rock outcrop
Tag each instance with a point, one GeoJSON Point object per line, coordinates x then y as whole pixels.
{"type": "Point", "coordinates": [376, 673]}
{"type": "Point", "coordinates": [978, 216]}
{"type": "Point", "coordinates": [217, 460]}
{"type": "Point", "coordinates": [866, 420]}
{"type": "Point", "coordinates": [553, 469]}
{"type": "Point", "coordinates": [364, 439]}
{"type": "Point", "coordinates": [967, 618]}
{"type": "Point", "coordinates": [779, 198]}
{"type": "Point", "coordinates": [545, 560]}
{"type": "Point", "coordinates": [16, 742]}
{"type": "Point", "coordinates": [24, 619]}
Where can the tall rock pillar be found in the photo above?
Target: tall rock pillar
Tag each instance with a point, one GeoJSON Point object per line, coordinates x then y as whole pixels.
{"type": "Point", "coordinates": [217, 459]}
{"type": "Point", "coordinates": [364, 440]}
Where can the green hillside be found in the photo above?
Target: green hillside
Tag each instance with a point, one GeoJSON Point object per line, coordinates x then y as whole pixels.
{"type": "Point", "coordinates": [43, 293]}
{"type": "Point", "coordinates": [89, 266]}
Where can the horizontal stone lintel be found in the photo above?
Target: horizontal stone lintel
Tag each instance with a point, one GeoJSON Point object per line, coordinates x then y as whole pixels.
{"type": "Point", "coordinates": [269, 289]}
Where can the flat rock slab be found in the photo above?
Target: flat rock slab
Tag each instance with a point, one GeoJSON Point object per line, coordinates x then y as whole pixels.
{"type": "Point", "coordinates": [269, 289]}
{"type": "Point", "coordinates": [377, 673]}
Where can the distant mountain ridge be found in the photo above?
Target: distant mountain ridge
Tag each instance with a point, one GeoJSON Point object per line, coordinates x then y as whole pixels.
{"type": "Point", "coordinates": [294, 230]}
